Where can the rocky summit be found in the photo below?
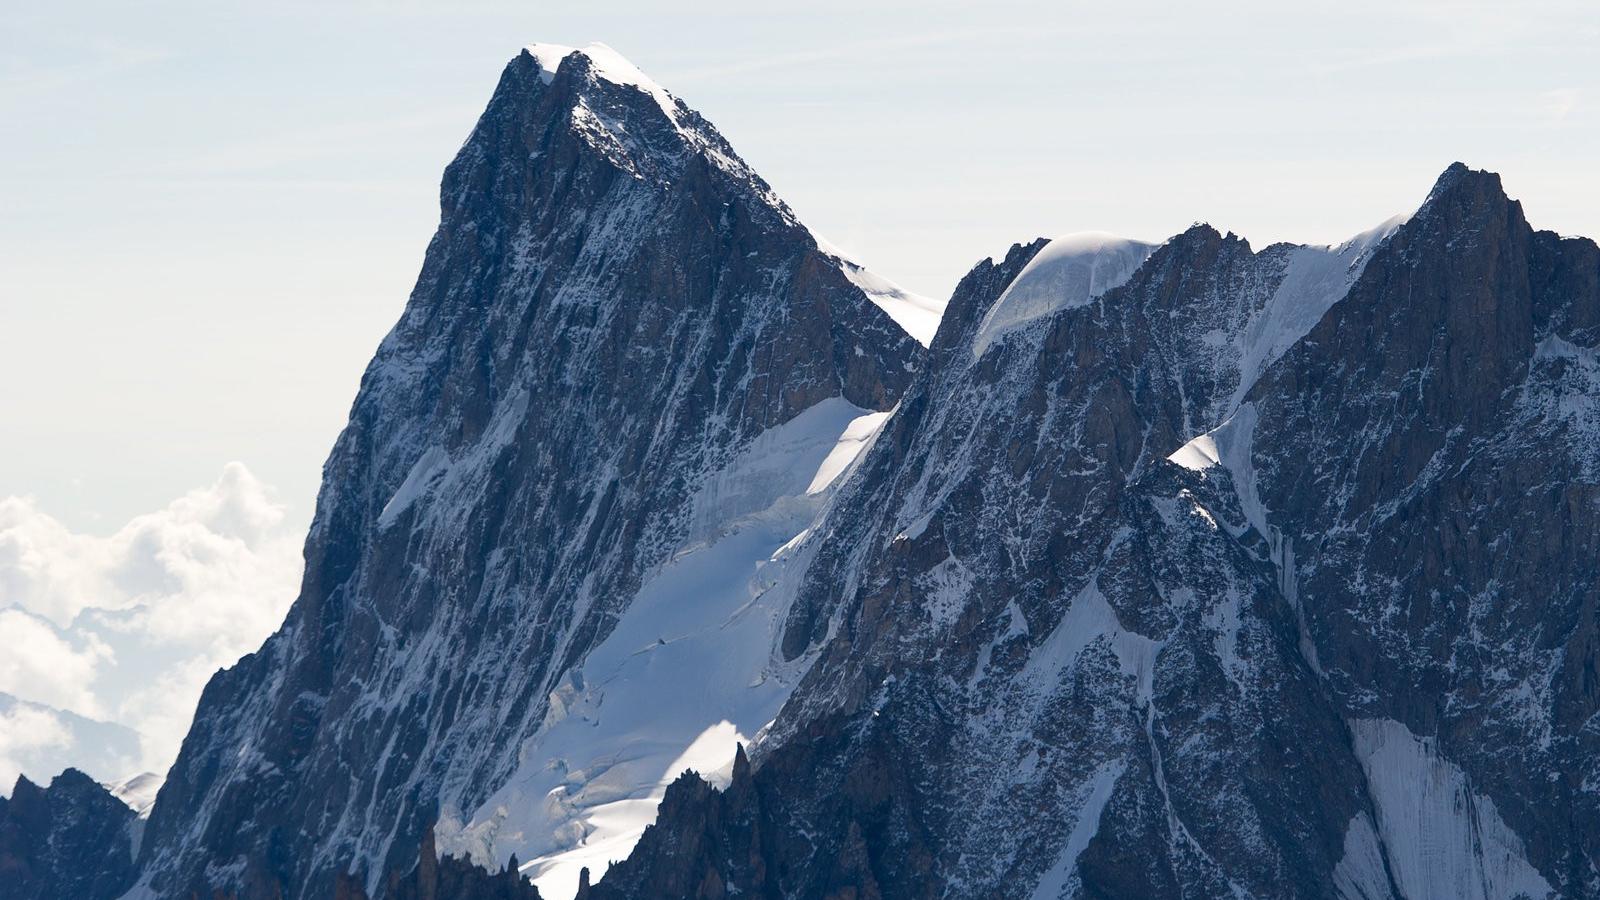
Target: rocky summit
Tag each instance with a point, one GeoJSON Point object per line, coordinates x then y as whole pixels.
{"type": "Point", "coordinates": [669, 552]}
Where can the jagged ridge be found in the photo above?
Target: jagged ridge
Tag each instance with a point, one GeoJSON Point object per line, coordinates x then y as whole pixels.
{"type": "Point", "coordinates": [1233, 573]}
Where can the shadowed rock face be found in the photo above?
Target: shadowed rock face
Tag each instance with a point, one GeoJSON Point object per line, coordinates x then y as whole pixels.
{"type": "Point", "coordinates": [1021, 594]}
{"type": "Point", "coordinates": [1428, 459]}
{"type": "Point", "coordinates": [613, 306]}
{"type": "Point", "coordinates": [1354, 658]}
{"type": "Point", "coordinates": [71, 839]}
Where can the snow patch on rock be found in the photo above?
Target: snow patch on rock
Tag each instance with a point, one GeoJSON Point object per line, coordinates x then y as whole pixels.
{"type": "Point", "coordinates": [1197, 455]}
{"type": "Point", "coordinates": [1444, 841]}
{"type": "Point", "coordinates": [424, 472]}
{"type": "Point", "coordinates": [605, 63]}
{"type": "Point", "coordinates": [1069, 271]}
{"type": "Point", "coordinates": [1061, 880]}
{"type": "Point", "coordinates": [1360, 873]}
{"type": "Point", "coordinates": [1088, 619]}
{"type": "Point", "coordinates": [1315, 279]}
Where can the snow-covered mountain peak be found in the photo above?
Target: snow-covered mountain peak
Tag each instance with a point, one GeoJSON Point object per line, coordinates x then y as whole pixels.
{"type": "Point", "coordinates": [624, 115]}
{"type": "Point", "coordinates": [139, 792]}
{"type": "Point", "coordinates": [918, 315]}
{"type": "Point", "coordinates": [604, 62]}
{"type": "Point", "coordinates": [1070, 271]}
{"type": "Point", "coordinates": [598, 103]}
{"type": "Point", "coordinates": [647, 471]}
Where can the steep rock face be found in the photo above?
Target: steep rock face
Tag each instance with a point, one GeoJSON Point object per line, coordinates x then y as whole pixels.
{"type": "Point", "coordinates": [71, 839]}
{"type": "Point", "coordinates": [1340, 645]}
{"type": "Point", "coordinates": [613, 308]}
{"type": "Point", "coordinates": [1426, 466]}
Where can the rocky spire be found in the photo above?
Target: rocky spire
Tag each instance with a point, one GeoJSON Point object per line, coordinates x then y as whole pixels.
{"type": "Point", "coordinates": [613, 309]}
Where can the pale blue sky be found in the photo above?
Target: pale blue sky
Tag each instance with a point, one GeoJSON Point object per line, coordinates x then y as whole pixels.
{"type": "Point", "coordinates": [213, 211]}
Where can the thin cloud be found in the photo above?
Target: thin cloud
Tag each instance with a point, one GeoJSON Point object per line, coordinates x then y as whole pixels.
{"type": "Point", "coordinates": [46, 666]}
{"type": "Point", "coordinates": [91, 59]}
{"type": "Point", "coordinates": [1557, 105]}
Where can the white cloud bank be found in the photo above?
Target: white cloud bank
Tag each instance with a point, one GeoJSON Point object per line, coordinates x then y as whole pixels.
{"type": "Point", "coordinates": [25, 734]}
{"type": "Point", "coordinates": [128, 628]}
{"type": "Point", "coordinates": [39, 741]}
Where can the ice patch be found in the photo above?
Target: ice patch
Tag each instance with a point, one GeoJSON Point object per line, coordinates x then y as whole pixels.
{"type": "Point", "coordinates": [857, 435]}
{"type": "Point", "coordinates": [1070, 271]}
{"type": "Point", "coordinates": [686, 673]}
{"type": "Point", "coordinates": [1360, 874]}
{"type": "Point", "coordinates": [784, 466]}
{"type": "Point", "coordinates": [425, 472]}
{"type": "Point", "coordinates": [1444, 841]}
{"type": "Point", "coordinates": [1061, 880]}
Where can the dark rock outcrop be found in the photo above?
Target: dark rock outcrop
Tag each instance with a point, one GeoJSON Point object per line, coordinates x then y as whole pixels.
{"type": "Point", "coordinates": [435, 877]}
{"type": "Point", "coordinates": [71, 839]}
{"type": "Point", "coordinates": [1427, 462]}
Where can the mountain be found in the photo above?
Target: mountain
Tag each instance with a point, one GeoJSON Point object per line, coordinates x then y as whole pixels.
{"type": "Point", "coordinates": [1258, 574]}
{"type": "Point", "coordinates": [627, 377]}
{"type": "Point", "coordinates": [70, 839]}
{"type": "Point", "coordinates": [669, 552]}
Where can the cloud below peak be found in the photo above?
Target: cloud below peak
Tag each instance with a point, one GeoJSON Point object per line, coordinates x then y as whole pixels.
{"type": "Point", "coordinates": [127, 628]}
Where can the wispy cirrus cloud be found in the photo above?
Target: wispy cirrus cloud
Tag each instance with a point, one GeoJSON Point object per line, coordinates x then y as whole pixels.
{"type": "Point", "coordinates": [860, 49]}
{"type": "Point", "coordinates": [50, 67]}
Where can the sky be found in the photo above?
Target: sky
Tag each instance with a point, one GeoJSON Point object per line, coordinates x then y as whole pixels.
{"type": "Point", "coordinates": [213, 211]}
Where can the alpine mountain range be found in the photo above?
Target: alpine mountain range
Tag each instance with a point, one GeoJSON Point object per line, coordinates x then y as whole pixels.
{"type": "Point", "coordinates": [670, 553]}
